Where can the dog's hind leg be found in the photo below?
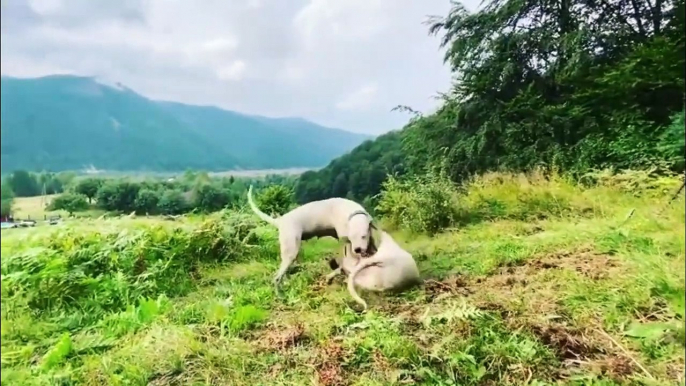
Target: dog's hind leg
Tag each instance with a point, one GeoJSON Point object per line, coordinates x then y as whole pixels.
{"type": "Point", "coordinates": [290, 247]}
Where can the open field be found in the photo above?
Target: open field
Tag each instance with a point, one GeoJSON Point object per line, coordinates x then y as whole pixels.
{"type": "Point", "coordinates": [34, 207]}
{"type": "Point", "coordinates": [557, 286]}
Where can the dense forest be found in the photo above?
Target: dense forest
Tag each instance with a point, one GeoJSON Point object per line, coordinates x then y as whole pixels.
{"type": "Point", "coordinates": [572, 85]}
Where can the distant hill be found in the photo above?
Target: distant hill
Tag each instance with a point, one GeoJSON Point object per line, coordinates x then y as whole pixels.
{"type": "Point", "coordinates": [71, 123]}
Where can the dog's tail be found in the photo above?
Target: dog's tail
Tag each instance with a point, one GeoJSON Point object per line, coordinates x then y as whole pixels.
{"type": "Point", "coordinates": [364, 263]}
{"type": "Point", "coordinates": [257, 210]}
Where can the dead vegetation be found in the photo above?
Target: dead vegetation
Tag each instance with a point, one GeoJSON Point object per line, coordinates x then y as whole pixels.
{"type": "Point", "coordinates": [525, 300]}
{"type": "Point", "coordinates": [329, 365]}
{"type": "Point", "coordinates": [280, 338]}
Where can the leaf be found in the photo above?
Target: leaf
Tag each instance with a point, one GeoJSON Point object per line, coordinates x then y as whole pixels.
{"type": "Point", "coordinates": [57, 353]}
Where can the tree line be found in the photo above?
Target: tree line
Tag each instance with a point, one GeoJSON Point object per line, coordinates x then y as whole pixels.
{"type": "Point", "coordinates": [571, 85]}
{"type": "Point", "coordinates": [191, 192]}
{"type": "Point", "coordinates": [23, 183]}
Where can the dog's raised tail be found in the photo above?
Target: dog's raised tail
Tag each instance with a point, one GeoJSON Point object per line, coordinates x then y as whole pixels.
{"type": "Point", "coordinates": [257, 210]}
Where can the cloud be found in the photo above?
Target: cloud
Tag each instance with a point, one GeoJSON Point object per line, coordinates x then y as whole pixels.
{"type": "Point", "coordinates": [339, 63]}
{"type": "Point", "coordinates": [234, 71]}
{"type": "Point", "coordinates": [360, 99]}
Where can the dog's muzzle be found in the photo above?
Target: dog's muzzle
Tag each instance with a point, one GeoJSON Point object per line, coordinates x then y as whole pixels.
{"type": "Point", "coordinates": [362, 253]}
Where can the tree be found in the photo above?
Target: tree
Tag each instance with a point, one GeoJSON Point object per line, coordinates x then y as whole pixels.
{"type": "Point", "coordinates": [340, 186]}
{"type": "Point", "coordinates": [65, 178]}
{"type": "Point", "coordinates": [172, 202]}
{"type": "Point", "coordinates": [118, 196]}
{"type": "Point", "coordinates": [71, 202]}
{"type": "Point", "coordinates": [357, 174]}
{"type": "Point", "coordinates": [88, 187]}
{"type": "Point", "coordinates": [210, 197]}
{"type": "Point", "coordinates": [48, 183]}
{"type": "Point", "coordinates": [275, 200]}
{"type": "Point", "coordinates": [573, 85]}
{"type": "Point", "coordinates": [7, 197]}
{"type": "Point", "coordinates": [23, 184]}
{"type": "Point", "coordinates": [146, 201]}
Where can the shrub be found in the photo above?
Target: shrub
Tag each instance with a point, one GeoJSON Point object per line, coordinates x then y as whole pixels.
{"type": "Point", "coordinates": [71, 202]}
{"type": "Point", "coordinates": [146, 201]}
{"type": "Point", "coordinates": [529, 196]}
{"type": "Point", "coordinates": [118, 196]}
{"type": "Point", "coordinates": [210, 198]}
{"type": "Point", "coordinates": [7, 197]}
{"type": "Point", "coordinates": [425, 204]}
{"type": "Point", "coordinates": [96, 273]}
{"type": "Point", "coordinates": [172, 202]}
{"type": "Point", "coordinates": [672, 143]}
{"type": "Point", "coordinates": [275, 200]}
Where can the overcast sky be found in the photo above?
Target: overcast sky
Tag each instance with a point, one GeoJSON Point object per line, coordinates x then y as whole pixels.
{"type": "Point", "coordinates": [341, 63]}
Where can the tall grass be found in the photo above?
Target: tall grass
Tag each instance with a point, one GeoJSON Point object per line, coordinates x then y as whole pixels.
{"type": "Point", "coordinates": [431, 203]}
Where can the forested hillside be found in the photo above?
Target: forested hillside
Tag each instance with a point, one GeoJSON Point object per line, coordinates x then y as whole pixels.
{"type": "Point", "coordinates": [67, 123]}
{"type": "Point", "coordinates": [572, 85]}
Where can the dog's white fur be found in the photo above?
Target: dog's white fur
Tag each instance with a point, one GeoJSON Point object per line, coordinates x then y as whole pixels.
{"type": "Point", "coordinates": [335, 217]}
{"type": "Point", "coordinates": [391, 268]}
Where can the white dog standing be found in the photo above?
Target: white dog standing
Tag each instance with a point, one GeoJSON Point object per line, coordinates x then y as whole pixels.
{"type": "Point", "coordinates": [334, 217]}
{"type": "Point", "coordinates": [391, 268]}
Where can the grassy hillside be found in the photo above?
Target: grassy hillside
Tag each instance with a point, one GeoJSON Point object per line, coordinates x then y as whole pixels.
{"type": "Point", "coordinates": [69, 123]}
{"type": "Point", "coordinates": [544, 282]}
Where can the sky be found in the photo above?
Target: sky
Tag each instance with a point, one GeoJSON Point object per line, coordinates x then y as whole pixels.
{"type": "Point", "coordinates": [340, 63]}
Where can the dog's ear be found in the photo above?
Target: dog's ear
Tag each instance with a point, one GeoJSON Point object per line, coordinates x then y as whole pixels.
{"type": "Point", "coordinates": [373, 247]}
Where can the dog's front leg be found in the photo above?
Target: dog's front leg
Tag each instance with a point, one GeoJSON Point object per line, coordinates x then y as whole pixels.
{"type": "Point", "coordinates": [333, 274]}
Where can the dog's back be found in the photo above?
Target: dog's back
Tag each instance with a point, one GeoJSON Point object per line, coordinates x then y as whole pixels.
{"type": "Point", "coordinates": [396, 269]}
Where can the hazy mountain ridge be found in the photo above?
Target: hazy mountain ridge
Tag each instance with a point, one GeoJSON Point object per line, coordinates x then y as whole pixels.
{"type": "Point", "coordinates": [70, 123]}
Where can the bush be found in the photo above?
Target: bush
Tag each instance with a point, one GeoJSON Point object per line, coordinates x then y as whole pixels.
{"type": "Point", "coordinates": [210, 198]}
{"type": "Point", "coordinates": [673, 143]}
{"type": "Point", "coordinates": [71, 202]}
{"type": "Point", "coordinates": [173, 202]}
{"type": "Point", "coordinates": [7, 197]}
{"type": "Point", "coordinates": [100, 273]}
{"type": "Point", "coordinates": [118, 196]}
{"type": "Point", "coordinates": [146, 201]}
{"type": "Point", "coordinates": [535, 195]}
{"type": "Point", "coordinates": [430, 204]}
{"type": "Point", "coordinates": [426, 204]}
{"type": "Point", "coordinates": [275, 200]}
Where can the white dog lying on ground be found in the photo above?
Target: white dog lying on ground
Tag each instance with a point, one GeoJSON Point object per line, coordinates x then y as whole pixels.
{"type": "Point", "coordinates": [391, 268]}
{"type": "Point", "coordinates": [339, 218]}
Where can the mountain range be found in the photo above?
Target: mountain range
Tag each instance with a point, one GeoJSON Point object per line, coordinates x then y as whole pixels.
{"type": "Point", "coordinates": [64, 122]}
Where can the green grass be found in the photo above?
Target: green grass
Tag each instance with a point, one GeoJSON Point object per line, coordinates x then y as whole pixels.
{"type": "Point", "coordinates": [552, 288]}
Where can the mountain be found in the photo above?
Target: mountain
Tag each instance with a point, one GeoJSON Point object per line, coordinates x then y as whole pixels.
{"type": "Point", "coordinates": [70, 123]}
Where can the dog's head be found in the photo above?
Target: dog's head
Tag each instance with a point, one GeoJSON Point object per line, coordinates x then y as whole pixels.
{"type": "Point", "coordinates": [360, 233]}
